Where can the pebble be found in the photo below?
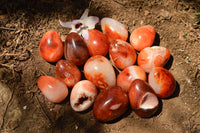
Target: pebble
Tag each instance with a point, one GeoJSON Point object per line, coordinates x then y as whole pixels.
{"type": "Point", "coordinates": [76, 127]}
{"type": "Point", "coordinates": [165, 14]}
{"type": "Point", "coordinates": [8, 43]}
{"type": "Point", "coordinates": [146, 12]}
{"type": "Point", "coordinates": [63, 37]}
{"type": "Point", "coordinates": [25, 107]}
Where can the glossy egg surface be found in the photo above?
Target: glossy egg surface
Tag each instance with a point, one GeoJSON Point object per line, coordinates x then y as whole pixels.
{"type": "Point", "coordinates": [97, 43]}
{"type": "Point", "coordinates": [122, 54]}
{"type": "Point", "coordinates": [52, 88]}
{"type": "Point", "coordinates": [83, 95]}
{"type": "Point", "coordinates": [162, 82]}
{"type": "Point", "coordinates": [51, 46]}
{"type": "Point", "coordinates": [110, 104]}
{"type": "Point", "coordinates": [151, 57]}
{"type": "Point", "coordinates": [68, 72]}
{"type": "Point", "coordinates": [75, 49]}
{"type": "Point", "coordinates": [114, 29]}
{"type": "Point", "coordinates": [128, 75]}
{"type": "Point", "coordinates": [143, 37]}
{"type": "Point", "coordinates": [100, 71]}
{"type": "Point", "coordinates": [142, 98]}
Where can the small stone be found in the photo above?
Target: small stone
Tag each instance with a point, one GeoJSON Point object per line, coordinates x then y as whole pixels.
{"type": "Point", "coordinates": [133, 22]}
{"type": "Point", "coordinates": [2, 16]}
{"type": "Point", "coordinates": [165, 14]}
{"type": "Point", "coordinates": [146, 12]}
{"type": "Point", "coordinates": [63, 37]}
{"type": "Point", "coordinates": [181, 36]}
{"type": "Point", "coordinates": [141, 22]}
{"type": "Point", "coordinates": [8, 43]}
{"type": "Point", "coordinates": [76, 127]}
{"type": "Point", "coordinates": [25, 107]}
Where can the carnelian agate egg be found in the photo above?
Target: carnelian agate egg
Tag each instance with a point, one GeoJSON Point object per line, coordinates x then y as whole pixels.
{"type": "Point", "coordinates": [142, 98]}
{"type": "Point", "coordinates": [110, 104]}
{"type": "Point", "coordinates": [128, 75]}
{"type": "Point", "coordinates": [122, 54]}
{"type": "Point", "coordinates": [97, 43]}
{"type": "Point", "coordinates": [68, 72]}
{"type": "Point", "coordinates": [162, 82]}
{"type": "Point", "coordinates": [51, 46]}
{"type": "Point", "coordinates": [100, 71]}
{"type": "Point", "coordinates": [83, 95]}
{"type": "Point", "coordinates": [114, 29]}
{"type": "Point", "coordinates": [143, 37]}
{"type": "Point", "coordinates": [75, 49]}
{"type": "Point", "coordinates": [151, 57]}
{"type": "Point", "coordinates": [52, 88]}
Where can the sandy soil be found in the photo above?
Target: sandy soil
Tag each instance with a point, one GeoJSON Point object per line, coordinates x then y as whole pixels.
{"type": "Point", "coordinates": [23, 108]}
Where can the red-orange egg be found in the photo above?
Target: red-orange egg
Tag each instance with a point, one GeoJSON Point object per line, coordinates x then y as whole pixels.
{"type": "Point", "coordinates": [128, 75]}
{"type": "Point", "coordinates": [122, 53]}
{"type": "Point", "coordinates": [51, 46]}
{"type": "Point", "coordinates": [151, 57]}
{"type": "Point", "coordinates": [68, 72]}
{"type": "Point", "coordinates": [52, 88]}
{"type": "Point", "coordinates": [114, 29]}
{"type": "Point", "coordinates": [97, 43]}
{"type": "Point", "coordinates": [162, 82]}
{"type": "Point", "coordinates": [143, 37]}
{"type": "Point", "coordinates": [110, 104]}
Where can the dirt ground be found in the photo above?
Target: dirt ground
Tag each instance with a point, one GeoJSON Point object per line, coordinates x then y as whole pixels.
{"type": "Point", "coordinates": [23, 108]}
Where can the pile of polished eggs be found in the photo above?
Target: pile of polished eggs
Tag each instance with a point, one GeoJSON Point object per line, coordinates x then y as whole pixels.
{"type": "Point", "coordinates": [116, 73]}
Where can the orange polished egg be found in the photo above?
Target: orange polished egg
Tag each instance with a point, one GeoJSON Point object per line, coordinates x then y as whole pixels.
{"type": "Point", "coordinates": [51, 46]}
{"type": "Point", "coordinates": [99, 70]}
{"type": "Point", "coordinates": [114, 29]}
{"type": "Point", "coordinates": [151, 57]}
{"type": "Point", "coordinates": [122, 54]}
{"type": "Point", "coordinates": [162, 82]}
{"type": "Point", "coordinates": [128, 75]}
{"type": "Point", "coordinates": [97, 43]}
{"type": "Point", "coordinates": [110, 104]}
{"type": "Point", "coordinates": [143, 37]}
{"type": "Point", "coordinates": [52, 88]}
{"type": "Point", "coordinates": [68, 72]}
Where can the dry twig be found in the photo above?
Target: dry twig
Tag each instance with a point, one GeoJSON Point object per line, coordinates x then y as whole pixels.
{"type": "Point", "coordinates": [5, 28]}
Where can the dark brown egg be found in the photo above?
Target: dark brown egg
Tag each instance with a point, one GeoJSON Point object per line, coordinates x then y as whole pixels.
{"type": "Point", "coordinates": [142, 98]}
{"type": "Point", "coordinates": [75, 49]}
{"type": "Point", "coordinates": [110, 104]}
